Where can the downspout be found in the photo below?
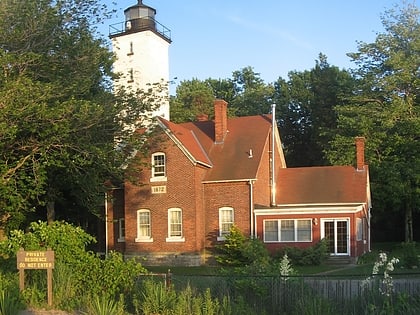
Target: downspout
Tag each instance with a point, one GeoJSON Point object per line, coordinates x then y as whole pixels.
{"type": "Point", "coordinates": [273, 139]}
{"type": "Point", "coordinates": [251, 208]}
{"type": "Point", "coordinates": [106, 225]}
{"type": "Point", "coordinates": [369, 232]}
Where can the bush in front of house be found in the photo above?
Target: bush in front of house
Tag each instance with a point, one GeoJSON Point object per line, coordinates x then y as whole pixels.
{"type": "Point", "coordinates": [409, 255]}
{"type": "Point", "coordinates": [244, 254]}
{"type": "Point", "coordinates": [310, 256]}
{"type": "Point", "coordinates": [79, 274]}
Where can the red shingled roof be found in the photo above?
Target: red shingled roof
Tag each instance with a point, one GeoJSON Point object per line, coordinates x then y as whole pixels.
{"type": "Point", "coordinates": [229, 160]}
{"type": "Point", "coordinates": [189, 141]}
{"type": "Point", "coordinates": [321, 185]}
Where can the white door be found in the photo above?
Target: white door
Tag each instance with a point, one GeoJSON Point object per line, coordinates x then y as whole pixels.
{"type": "Point", "coordinates": [336, 232]}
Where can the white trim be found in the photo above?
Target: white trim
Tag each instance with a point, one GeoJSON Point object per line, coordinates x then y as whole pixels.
{"type": "Point", "coordinates": [175, 238]}
{"type": "Point", "coordinates": [154, 177]}
{"type": "Point", "coordinates": [335, 220]}
{"type": "Point", "coordinates": [295, 230]}
{"type": "Point", "coordinates": [121, 237]}
{"type": "Point", "coordinates": [228, 181]}
{"type": "Point", "coordinates": [222, 237]}
{"type": "Point", "coordinates": [309, 210]}
{"type": "Point", "coordinates": [143, 238]}
{"type": "Point", "coordinates": [331, 204]}
{"type": "Point", "coordinates": [158, 179]}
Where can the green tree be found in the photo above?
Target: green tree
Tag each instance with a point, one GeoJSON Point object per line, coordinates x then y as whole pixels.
{"type": "Point", "coordinates": [252, 95]}
{"type": "Point", "coordinates": [306, 117]}
{"type": "Point", "coordinates": [385, 109]}
{"type": "Point", "coordinates": [192, 98]}
{"type": "Point", "coordinates": [246, 94]}
{"type": "Point", "coordinates": [58, 117]}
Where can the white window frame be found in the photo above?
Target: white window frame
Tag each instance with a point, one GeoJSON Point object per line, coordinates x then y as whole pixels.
{"type": "Point", "coordinates": [141, 237]}
{"type": "Point", "coordinates": [296, 231]}
{"type": "Point", "coordinates": [171, 235]}
{"type": "Point", "coordinates": [121, 230]}
{"type": "Point", "coordinates": [158, 176]}
{"type": "Point", "coordinates": [222, 222]}
{"type": "Point", "coordinates": [359, 229]}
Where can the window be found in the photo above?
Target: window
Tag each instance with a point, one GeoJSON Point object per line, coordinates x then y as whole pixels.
{"type": "Point", "coordinates": [225, 222]}
{"type": "Point", "coordinates": [271, 231]}
{"type": "Point", "coordinates": [144, 230]}
{"type": "Point", "coordinates": [121, 230]}
{"type": "Point", "coordinates": [359, 229]}
{"type": "Point", "coordinates": [158, 167]}
{"type": "Point", "coordinates": [288, 230]}
{"type": "Point", "coordinates": [175, 225]}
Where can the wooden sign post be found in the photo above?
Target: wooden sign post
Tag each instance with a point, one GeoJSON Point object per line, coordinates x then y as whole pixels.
{"type": "Point", "coordinates": [36, 260]}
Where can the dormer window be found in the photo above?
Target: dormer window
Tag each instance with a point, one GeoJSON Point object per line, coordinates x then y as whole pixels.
{"type": "Point", "coordinates": [158, 167]}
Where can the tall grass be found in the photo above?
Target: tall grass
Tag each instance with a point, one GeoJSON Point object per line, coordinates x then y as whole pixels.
{"type": "Point", "coordinates": [102, 305]}
{"type": "Point", "coordinates": [9, 303]}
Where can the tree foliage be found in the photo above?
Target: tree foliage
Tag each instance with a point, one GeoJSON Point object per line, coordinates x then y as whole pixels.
{"type": "Point", "coordinates": [58, 117]}
{"type": "Point", "coordinates": [385, 109]}
{"type": "Point", "coordinates": [87, 274]}
{"type": "Point", "coordinates": [246, 93]}
{"type": "Point", "coordinates": [306, 116]}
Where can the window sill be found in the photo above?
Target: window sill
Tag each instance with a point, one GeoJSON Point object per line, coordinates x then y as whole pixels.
{"type": "Point", "coordinates": [144, 239]}
{"type": "Point", "coordinates": [121, 240]}
{"type": "Point", "coordinates": [221, 238]}
{"type": "Point", "coordinates": [175, 239]}
{"type": "Point", "coordinates": [158, 179]}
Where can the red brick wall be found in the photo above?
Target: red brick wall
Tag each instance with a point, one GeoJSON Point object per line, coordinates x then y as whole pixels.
{"type": "Point", "coordinates": [232, 194]}
{"type": "Point", "coordinates": [115, 211]}
{"type": "Point", "coordinates": [182, 191]}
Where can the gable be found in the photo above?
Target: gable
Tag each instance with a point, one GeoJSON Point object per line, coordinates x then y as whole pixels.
{"type": "Point", "coordinates": [187, 141]}
{"type": "Point", "coordinates": [237, 158]}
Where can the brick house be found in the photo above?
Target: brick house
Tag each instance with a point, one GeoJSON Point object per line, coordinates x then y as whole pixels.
{"type": "Point", "coordinates": [202, 177]}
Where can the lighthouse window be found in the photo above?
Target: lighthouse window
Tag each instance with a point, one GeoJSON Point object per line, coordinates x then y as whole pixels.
{"type": "Point", "coordinates": [143, 12]}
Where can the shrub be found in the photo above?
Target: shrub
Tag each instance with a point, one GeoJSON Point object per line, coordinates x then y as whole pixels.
{"type": "Point", "coordinates": [230, 253]}
{"type": "Point", "coordinates": [10, 302]}
{"type": "Point", "coordinates": [102, 305]}
{"type": "Point", "coordinates": [314, 255]}
{"type": "Point", "coordinates": [409, 256]}
{"type": "Point", "coordinates": [243, 252]}
{"type": "Point", "coordinates": [79, 274]}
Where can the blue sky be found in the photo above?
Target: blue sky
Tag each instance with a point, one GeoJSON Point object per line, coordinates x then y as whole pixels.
{"type": "Point", "coordinates": [213, 38]}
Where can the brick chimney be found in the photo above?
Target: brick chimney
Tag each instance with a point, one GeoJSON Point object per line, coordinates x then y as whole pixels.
{"type": "Point", "coordinates": [360, 153]}
{"type": "Point", "coordinates": [220, 120]}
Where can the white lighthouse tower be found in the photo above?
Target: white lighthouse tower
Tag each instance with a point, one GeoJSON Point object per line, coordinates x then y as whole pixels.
{"type": "Point", "coordinates": [141, 45]}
